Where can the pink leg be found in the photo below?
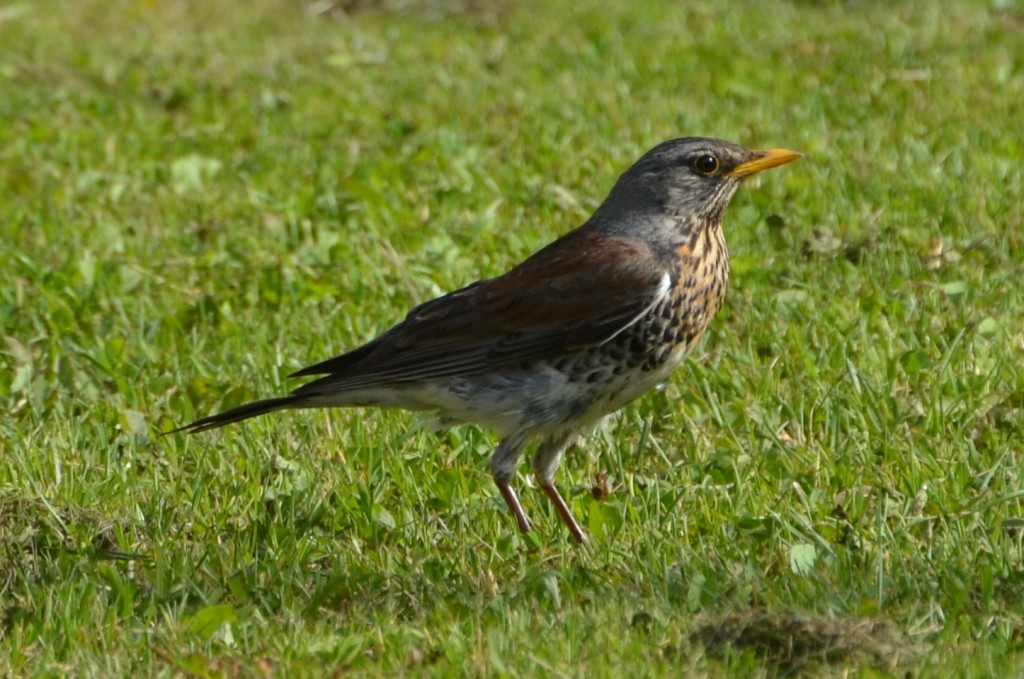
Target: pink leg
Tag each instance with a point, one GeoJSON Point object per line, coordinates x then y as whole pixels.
{"type": "Point", "coordinates": [513, 504]}
{"type": "Point", "coordinates": [563, 511]}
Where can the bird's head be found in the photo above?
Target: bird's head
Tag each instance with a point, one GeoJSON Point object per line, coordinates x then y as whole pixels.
{"type": "Point", "coordinates": [693, 177]}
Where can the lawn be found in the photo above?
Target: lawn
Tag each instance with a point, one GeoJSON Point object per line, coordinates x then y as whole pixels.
{"type": "Point", "coordinates": [200, 198]}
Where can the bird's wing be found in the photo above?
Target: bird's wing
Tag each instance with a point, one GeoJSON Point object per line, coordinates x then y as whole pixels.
{"type": "Point", "coordinates": [580, 291]}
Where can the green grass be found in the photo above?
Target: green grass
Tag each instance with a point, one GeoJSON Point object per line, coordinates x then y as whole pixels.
{"type": "Point", "coordinates": [199, 198]}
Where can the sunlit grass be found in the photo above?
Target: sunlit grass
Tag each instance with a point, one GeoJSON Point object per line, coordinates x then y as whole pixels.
{"type": "Point", "coordinates": [201, 198]}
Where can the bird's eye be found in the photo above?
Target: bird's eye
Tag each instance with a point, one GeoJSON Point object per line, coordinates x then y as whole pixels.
{"type": "Point", "coordinates": [705, 164]}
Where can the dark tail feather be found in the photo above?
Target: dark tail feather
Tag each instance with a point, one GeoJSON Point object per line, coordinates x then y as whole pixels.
{"type": "Point", "coordinates": [338, 363]}
{"type": "Point", "coordinates": [242, 412]}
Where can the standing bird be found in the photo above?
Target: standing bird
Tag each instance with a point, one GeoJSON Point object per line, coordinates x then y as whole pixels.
{"type": "Point", "coordinates": [575, 332]}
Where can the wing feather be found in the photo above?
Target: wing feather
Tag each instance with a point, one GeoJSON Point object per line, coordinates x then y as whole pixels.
{"type": "Point", "coordinates": [580, 291]}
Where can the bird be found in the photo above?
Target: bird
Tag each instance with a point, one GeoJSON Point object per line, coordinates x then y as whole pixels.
{"type": "Point", "coordinates": [587, 324]}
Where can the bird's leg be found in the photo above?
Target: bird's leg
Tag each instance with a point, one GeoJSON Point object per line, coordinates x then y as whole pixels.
{"type": "Point", "coordinates": [503, 467]}
{"type": "Point", "coordinates": [563, 511]}
{"type": "Point", "coordinates": [545, 464]}
{"type": "Point", "coordinates": [513, 504]}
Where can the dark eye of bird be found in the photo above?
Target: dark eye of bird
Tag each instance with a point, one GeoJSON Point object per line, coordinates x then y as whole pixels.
{"type": "Point", "coordinates": [706, 164]}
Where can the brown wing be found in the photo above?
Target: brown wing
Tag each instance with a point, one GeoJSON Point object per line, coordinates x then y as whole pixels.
{"type": "Point", "coordinates": [579, 291]}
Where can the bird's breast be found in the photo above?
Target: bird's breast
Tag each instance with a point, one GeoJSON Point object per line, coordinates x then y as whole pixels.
{"type": "Point", "coordinates": [639, 358]}
{"type": "Point", "coordinates": [701, 266]}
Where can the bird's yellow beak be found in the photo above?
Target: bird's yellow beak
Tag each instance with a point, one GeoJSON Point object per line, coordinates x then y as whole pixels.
{"type": "Point", "coordinates": [764, 160]}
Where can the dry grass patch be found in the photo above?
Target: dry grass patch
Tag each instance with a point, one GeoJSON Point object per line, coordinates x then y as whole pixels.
{"type": "Point", "coordinates": [794, 641]}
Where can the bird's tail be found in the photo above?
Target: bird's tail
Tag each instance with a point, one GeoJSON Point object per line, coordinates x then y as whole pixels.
{"type": "Point", "coordinates": [242, 412]}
